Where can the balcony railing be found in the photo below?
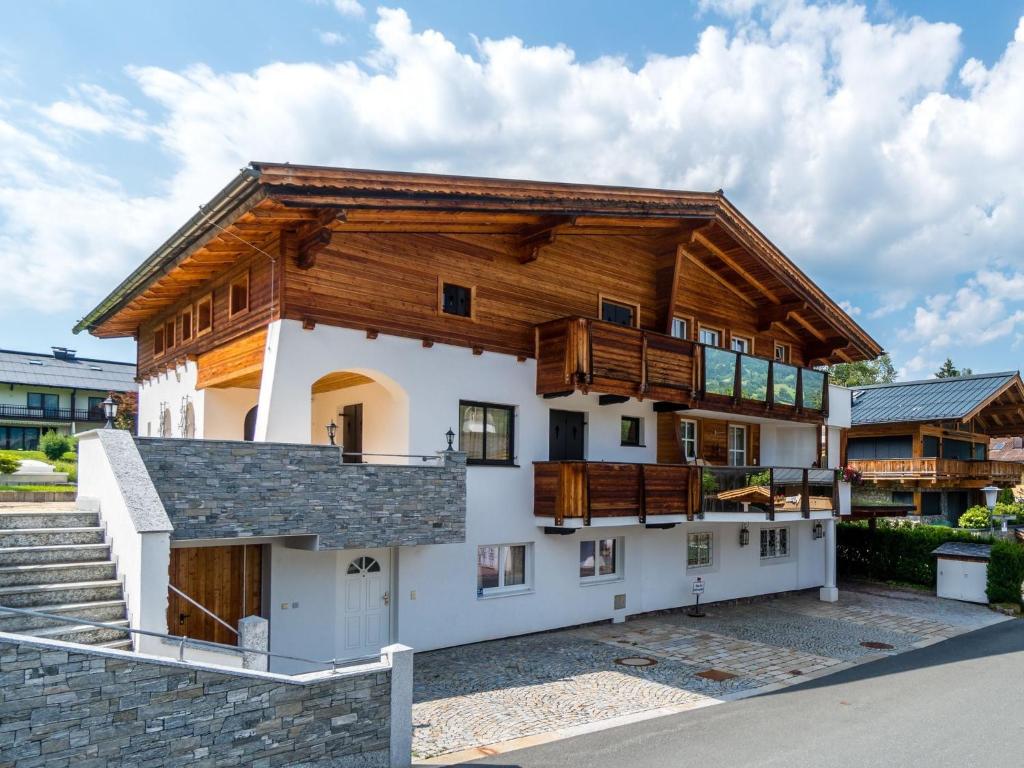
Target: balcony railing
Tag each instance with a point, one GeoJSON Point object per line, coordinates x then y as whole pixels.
{"type": "Point", "coordinates": [936, 469]}
{"type": "Point", "coordinates": [582, 354]}
{"type": "Point", "coordinates": [769, 490]}
{"type": "Point", "coordinates": [50, 414]}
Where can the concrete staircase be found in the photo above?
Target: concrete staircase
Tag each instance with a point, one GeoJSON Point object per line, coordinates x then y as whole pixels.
{"type": "Point", "coordinates": [53, 559]}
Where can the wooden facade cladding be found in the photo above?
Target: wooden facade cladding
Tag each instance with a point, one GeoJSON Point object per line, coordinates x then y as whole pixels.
{"type": "Point", "coordinates": [237, 363]}
{"type": "Point", "coordinates": [712, 440]}
{"type": "Point", "coordinates": [586, 490]}
{"type": "Point", "coordinates": [925, 471]}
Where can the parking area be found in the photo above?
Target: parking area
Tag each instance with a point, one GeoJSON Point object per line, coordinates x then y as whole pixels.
{"type": "Point", "coordinates": [522, 690]}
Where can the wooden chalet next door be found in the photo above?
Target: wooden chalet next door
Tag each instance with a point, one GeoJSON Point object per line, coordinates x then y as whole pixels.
{"type": "Point", "coordinates": [227, 581]}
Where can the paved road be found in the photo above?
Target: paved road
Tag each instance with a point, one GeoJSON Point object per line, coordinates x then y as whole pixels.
{"type": "Point", "coordinates": [958, 703]}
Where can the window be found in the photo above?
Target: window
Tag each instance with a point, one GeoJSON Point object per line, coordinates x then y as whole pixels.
{"type": "Point", "coordinates": [456, 300]}
{"type": "Point", "coordinates": [238, 299]}
{"type": "Point", "coordinates": [600, 560]}
{"type": "Point", "coordinates": [782, 353]}
{"type": "Point", "coordinates": [741, 344]}
{"type": "Point", "coordinates": [618, 313]}
{"type": "Point", "coordinates": [680, 327]}
{"type": "Point", "coordinates": [204, 315]}
{"type": "Point", "coordinates": [698, 550]}
{"type": "Point", "coordinates": [774, 543]}
{"type": "Point", "coordinates": [169, 334]}
{"type": "Point", "coordinates": [186, 324]}
{"type": "Point", "coordinates": [710, 337]}
{"type": "Point", "coordinates": [688, 439]}
{"type": "Point", "coordinates": [44, 401]}
{"type": "Point", "coordinates": [158, 341]}
{"type": "Point", "coordinates": [737, 445]}
{"type": "Point", "coordinates": [502, 568]}
{"type": "Point", "coordinates": [632, 431]}
{"type": "Point", "coordinates": [96, 407]}
{"type": "Point", "coordinates": [486, 433]}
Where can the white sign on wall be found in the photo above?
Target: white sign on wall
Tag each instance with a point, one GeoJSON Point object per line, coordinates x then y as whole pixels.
{"type": "Point", "coordinates": [698, 586]}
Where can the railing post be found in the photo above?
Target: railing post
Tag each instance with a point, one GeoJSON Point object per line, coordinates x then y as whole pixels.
{"type": "Point", "coordinates": [737, 382]}
{"type": "Point", "coordinates": [770, 394]}
{"type": "Point", "coordinates": [824, 396]}
{"type": "Point", "coordinates": [805, 495]}
{"type": "Point", "coordinates": [642, 492]}
{"type": "Point", "coordinates": [771, 493]}
{"type": "Point", "coordinates": [586, 492]}
{"type": "Point", "coordinates": [799, 388]}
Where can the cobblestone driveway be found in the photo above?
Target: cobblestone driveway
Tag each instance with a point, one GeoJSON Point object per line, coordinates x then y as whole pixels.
{"type": "Point", "coordinates": [487, 693]}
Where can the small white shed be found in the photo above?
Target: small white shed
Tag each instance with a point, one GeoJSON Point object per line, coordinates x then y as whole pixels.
{"type": "Point", "coordinates": [963, 571]}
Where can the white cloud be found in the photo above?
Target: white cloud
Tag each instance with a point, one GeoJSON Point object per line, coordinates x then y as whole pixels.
{"type": "Point", "coordinates": [988, 308]}
{"type": "Point", "coordinates": [868, 151]}
{"type": "Point", "coordinates": [849, 308]}
{"type": "Point", "coordinates": [351, 8]}
{"type": "Point", "coordinates": [332, 38]}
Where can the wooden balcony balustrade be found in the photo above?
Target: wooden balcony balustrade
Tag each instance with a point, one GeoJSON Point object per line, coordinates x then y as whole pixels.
{"type": "Point", "coordinates": [935, 470]}
{"type": "Point", "coordinates": [587, 355]}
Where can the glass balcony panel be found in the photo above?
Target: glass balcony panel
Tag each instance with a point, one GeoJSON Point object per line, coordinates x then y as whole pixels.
{"type": "Point", "coordinates": [821, 489]}
{"type": "Point", "coordinates": [753, 378]}
{"type": "Point", "coordinates": [719, 371]}
{"type": "Point", "coordinates": [787, 489]}
{"type": "Point", "coordinates": [813, 389]}
{"type": "Point", "coordinates": [784, 380]}
{"type": "Point", "coordinates": [735, 489]}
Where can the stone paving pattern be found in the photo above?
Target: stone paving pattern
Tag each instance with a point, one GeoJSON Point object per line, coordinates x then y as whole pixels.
{"type": "Point", "coordinates": [507, 689]}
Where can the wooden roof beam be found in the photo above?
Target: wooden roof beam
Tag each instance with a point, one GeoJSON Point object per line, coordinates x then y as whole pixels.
{"type": "Point", "coordinates": [534, 239]}
{"type": "Point", "coordinates": [778, 314]}
{"type": "Point", "coordinates": [304, 243]}
{"type": "Point", "coordinates": [728, 285]}
{"type": "Point", "coordinates": [702, 239]}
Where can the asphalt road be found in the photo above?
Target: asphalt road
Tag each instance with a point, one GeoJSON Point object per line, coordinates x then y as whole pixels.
{"type": "Point", "coordinates": [959, 703]}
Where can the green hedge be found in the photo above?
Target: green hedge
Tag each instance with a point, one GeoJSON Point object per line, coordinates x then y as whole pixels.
{"type": "Point", "coordinates": [893, 552]}
{"type": "Point", "coordinates": [1005, 572]}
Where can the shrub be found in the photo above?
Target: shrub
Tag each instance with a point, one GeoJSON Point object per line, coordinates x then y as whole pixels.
{"type": "Point", "coordinates": [1005, 572]}
{"type": "Point", "coordinates": [8, 465]}
{"type": "Point", "coordinates": [975, 517]}
{"type": "Point", "coordinates": [54, 445]}
{"type": "Point", "coordinates": [70, 456]}
{"type": "Point", "coordinates": [1005, 496]}
{"type": "Point", "coordinates": [891, 553]}
{"type": "Point", "coordinates": [71, 467]}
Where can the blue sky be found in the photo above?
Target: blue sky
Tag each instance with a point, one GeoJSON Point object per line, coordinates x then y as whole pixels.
{"type": "Point", "coordinates": [878, 144]}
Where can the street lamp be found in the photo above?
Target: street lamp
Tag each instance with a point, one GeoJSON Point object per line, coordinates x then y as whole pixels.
{"type": "Point", "coordinates": [109, 412]}
{"type": "Point", "coordinates": [991, 494]}
{"type": "Point", "coordinates": [332, 430]}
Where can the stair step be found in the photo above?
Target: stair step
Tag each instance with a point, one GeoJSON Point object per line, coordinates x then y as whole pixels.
{"type": "Point", "coordinates": [82, 633]}
{"type": "Point", "coordinates": [87, 504]}
{"type": "Point", "coordinates": [60, 553]}
{"type": "Point", "coordinates": [55, 573]}
{"type": "Point", "coordinates": [40, 596]}
{"type": "Point", "coordinates": [45, 537]}
{"type": "Point", "coordinates": [121, 645]}
{"type": "Point", "coordinates": [21, 519]}
{"type": "Point", "coordinates": [101, 610]}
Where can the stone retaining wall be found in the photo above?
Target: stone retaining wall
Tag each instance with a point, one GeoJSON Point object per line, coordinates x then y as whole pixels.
{"type": "Point", "coordinates": [95, 707]}
{"type": "Point", "coordinates": [38, 497]}
{"type": "Point", "coordinates": [227, 489]}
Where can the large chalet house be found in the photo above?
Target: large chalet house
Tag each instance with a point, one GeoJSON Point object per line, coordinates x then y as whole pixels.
{"type": "Point", "coordinates": [924, 445]}
{"type": "Point", "coordinates": [381, 406]}
{"type": "Point", "coordinates": [55, 391]}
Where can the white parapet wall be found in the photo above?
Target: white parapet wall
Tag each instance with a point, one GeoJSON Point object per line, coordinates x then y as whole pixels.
{"type": "Point", "coordinates": [112, 473]}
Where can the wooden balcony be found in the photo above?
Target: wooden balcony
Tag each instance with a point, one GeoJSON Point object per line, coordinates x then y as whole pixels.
{"type": "Point", "coordinates": [579, 354]}
{"type": "Point", "coordinates": [589, 491]}
{"type": "Point", "coordinates": [933, 470]}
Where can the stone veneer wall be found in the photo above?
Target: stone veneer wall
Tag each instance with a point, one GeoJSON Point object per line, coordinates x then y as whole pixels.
{"type": "Point", "coordinates": [98, 708]}
{"type": "Point", "coordinates": [226, 489]}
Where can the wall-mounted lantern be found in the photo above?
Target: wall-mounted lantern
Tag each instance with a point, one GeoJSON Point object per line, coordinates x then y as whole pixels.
{"type": "Point", "coordinates": [450, 437]}
{"type": "Point", "coordinates": [109, 412]}
{"type": "Point", "coordinates": [332, 430]}
{"type": "Point", "coordinates": [744, 536]}
{"type": "Point", "coordinates": [819, 530]}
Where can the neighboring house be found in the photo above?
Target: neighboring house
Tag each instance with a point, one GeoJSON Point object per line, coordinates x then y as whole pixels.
{"type": "Point", "coordinates": [1010, 449]}
{"type": "Point", "coordinates": [626, 371]}
{"type": "Point", "coordinates": [926, 443]}
{"type": "Point", "coordinates": [56, 391]}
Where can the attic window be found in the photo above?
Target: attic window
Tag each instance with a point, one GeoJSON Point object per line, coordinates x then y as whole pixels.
{"type": "Point", "coordinates": [158, 341]}
{"type": "Point", "coordinates": [239, 296]}
{"type": "Point", "coordinates": [169, 334]}
{"type": "Point", "coordinates": [204, 315]}
{"type": "Point", "coordinates": [456, 300]}
{"type": "Point", "coordinates": [186, 324]}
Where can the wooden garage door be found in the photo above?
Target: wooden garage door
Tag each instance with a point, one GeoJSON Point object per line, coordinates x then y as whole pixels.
{"type": "Point", "coordinates": [225, 580]}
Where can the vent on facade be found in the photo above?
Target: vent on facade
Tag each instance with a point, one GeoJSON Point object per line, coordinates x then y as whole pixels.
{"type": "Point", "coordinates": [620, 602]}
{"type": "Point", "coordinates": [63, 353]}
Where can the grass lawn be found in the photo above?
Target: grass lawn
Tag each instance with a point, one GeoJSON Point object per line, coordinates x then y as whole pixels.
{"type": "Point", "coordinates": [54, 488]}
{"type": "Point", "coordinates": [22, 455]}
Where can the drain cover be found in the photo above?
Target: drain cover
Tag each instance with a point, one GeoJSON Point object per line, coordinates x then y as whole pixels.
{"type": "Point", "coordinates": [877, 646]}
{"type": "Point", "coordinates": [718, 675]}
{"type": "Point", "coordinates": [636, 661]}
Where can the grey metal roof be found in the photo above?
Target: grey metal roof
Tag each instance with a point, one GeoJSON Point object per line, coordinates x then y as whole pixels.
{"type": "Point", "coordinates": [964, 549]}
{"type": "Point", "coordinates": [45, 370]}
{"type": "Point", "coordinates": [929, 400]}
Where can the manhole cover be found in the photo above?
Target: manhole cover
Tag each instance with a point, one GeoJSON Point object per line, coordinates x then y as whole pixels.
{"type": "Point", "coordinates": [718, 675]}
{"type": "Point", "coordinates": [877, 646]}
{"type": "Point", "coordinates": [636, 661]}
{"type": "Point", "coordinates": [795, 672]}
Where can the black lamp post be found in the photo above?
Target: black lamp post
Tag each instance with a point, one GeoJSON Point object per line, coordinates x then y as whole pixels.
{"type": "Point", "coordinates": [332, 430]}
{"type": "Point", "coordinates": [109, 412]}
{"type": "Point", "coordinates": [450, 437]}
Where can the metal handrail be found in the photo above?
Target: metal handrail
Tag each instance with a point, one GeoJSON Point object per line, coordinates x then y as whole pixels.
{"type": "Point", "coordinates": [202, 608]}
{"type": "Point", "coordinates": [333, 664]}
{"type": "Point", "coordinates": [423, 456]}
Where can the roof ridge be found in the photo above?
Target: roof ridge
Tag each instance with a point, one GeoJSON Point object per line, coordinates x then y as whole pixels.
{"type": "Point", "coordinates": [49, 356]}
{"type": "Point", "coordinates": [937, 380]}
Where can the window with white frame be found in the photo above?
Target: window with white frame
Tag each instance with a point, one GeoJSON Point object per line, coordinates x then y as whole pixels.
{"type": "Point", "coordinates": [710, 337]}
{"type": "Point", "coordinates": [680, 328]}
{"type": "Point", "coordinates": [774, 543]}
{"type": "Point", "coordinates": [740, 344]}
{"type": "Point", "coordinates": [688, 439]}
{"type": "Point", "coordinates": [600, 560]}
{"type": "Point", "coordinates": [737, 445]}
{"type": "Point", "coordinates": [782, 353]}
{"type": "Point", "coordinates": [502, 568]}
{"type": "Point", "coordinates": [699, 550]}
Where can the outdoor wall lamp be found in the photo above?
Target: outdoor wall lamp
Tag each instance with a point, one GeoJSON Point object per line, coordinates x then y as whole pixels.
{"type": "Point", "coordinates": [818, 530]}
{"type": "Point", "coordinates": [109, 412]}
{"type": "Point", "coordinates": [450, 437]}
{"type": "Point", "coordinates": [332, 430]}
{"type": "Point", "coordinates": [744, 536]}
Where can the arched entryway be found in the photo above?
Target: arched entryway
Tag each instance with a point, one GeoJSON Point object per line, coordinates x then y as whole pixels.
{"type": "Point", "coordinates": [249, 427]}
{"type": "Point", "coordinates": [369, 411]}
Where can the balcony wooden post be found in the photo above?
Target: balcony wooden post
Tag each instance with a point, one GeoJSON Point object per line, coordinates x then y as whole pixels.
{"type": "Point", "coordinates": [642, 493]}
{"type": "Point", "coordinates": [737, 381]}
{"type": "Point", "coordinates": [771, 493]}
{"type": "Point", "coordinates": [770, 394]}
{"type": "Point", "coordinates": [824, 397]}
{"type": "Point", "coordinates": [586, 493]}
{"type": "Point", "coordinates": [643, 362]}
{"type": "Point", "coordinates": [805, 495]}
{"type": "Point", "coordinates": [799, 389]}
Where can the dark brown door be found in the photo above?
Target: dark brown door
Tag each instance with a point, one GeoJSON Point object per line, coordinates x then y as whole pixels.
{"type": "Point", "coordinates": [227, 581]}
{"type": "Point", "coordinates": [352, 432]}
{"type": "Point", "coordinates": [565, 437]}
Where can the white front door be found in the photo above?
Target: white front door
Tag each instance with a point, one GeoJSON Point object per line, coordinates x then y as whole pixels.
{"type": "Point", "coordinates": [365, 612]}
